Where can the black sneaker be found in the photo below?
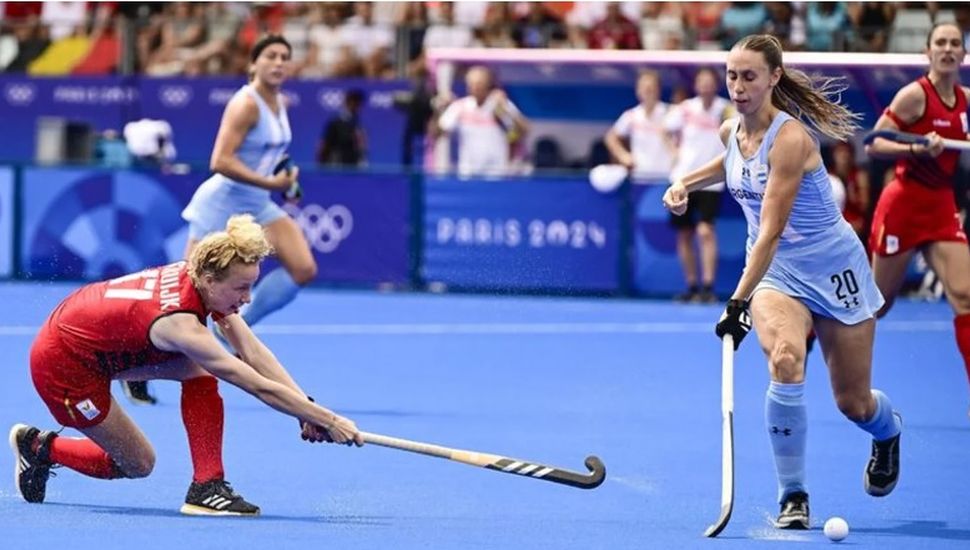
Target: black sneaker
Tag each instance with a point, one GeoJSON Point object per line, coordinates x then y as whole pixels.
{"type": "Point", "coordinates": [687, 296]}
{"type": "Point", "coordinates": [137, 392]}
{"type": "Point", "coordinates": [882, 471]}
{"type": "Point", "coordinates": [216, 498]}
{"type": "Point", "coordinates": [31, 468]}
{"type": "Point", "coordinates": [794, 512]}
{"type": "Point", "coordinates": [705, 296]}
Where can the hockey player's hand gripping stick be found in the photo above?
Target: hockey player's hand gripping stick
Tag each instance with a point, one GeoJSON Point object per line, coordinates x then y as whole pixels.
{"type": "Point", "coordinates": [907, 138]}
{"type": "Point", "coordinates": [591, 480]}
{"type": "Point", "coordinates": [727, 437]}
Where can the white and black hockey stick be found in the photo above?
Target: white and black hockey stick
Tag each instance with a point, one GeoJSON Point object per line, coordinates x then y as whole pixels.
{"type": "Point", "coordinates": [591, 480]}
{"type": "Point", "coordinates": [727, 437]}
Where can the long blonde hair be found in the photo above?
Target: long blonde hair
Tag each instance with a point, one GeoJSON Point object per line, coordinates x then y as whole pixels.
{"type": "Point", "coordinates": [811, 99]}
{"type": "Point", "coordinates": [243, 241]}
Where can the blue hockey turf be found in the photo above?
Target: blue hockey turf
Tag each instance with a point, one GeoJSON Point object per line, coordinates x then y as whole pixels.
{"type": "Point", "coordinates": [548, 380]}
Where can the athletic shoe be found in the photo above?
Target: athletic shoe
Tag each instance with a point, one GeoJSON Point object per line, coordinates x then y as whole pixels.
{"type": "Point", "coordinates": [882, 471]}
{"type": "Point", "coordinates": [216, 498]}
{"type": "Point", "coordinates": [705, 296]}
{"type": "Point", "coordinates": [794, 512]}
{"type": "Point", "coordinates": [137, 392]}
{"type": "Point", "coordinates": [31, 468]}
{"type": "Point", "coordinates": [687, 296]}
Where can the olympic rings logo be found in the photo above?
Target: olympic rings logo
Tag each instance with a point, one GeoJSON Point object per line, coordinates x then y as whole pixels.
{"type": "Point", "coordinates": [324, 228]}
{"type": "Point", "coordinates": [20, 94]}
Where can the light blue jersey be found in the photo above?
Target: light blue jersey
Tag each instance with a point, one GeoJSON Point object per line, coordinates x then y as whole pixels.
{"type": "Point", "coordinates": [820, 260]}
{"type": "Point", "coordinates": [219, 197]}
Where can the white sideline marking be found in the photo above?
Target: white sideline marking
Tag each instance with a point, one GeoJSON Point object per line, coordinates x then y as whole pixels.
{"type": "Point", "coordinates": [411, 329]}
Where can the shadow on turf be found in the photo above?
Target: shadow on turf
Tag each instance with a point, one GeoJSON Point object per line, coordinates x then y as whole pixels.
{"type": "Point", "coordinates": [172, 513]}
{"type": "Point", "coordinates": [919, 528]}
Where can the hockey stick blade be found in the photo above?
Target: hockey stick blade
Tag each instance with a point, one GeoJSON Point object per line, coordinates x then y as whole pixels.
{"type": "Point", "coordinates": [727, 487]}
{"type": "Point", "coordinates": [592, 480]}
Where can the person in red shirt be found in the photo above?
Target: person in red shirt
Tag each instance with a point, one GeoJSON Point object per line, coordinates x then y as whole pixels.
{"type": "Point", "coordinates": [152, 325]}
{"type": "Point", "coordinates": [917, 210]}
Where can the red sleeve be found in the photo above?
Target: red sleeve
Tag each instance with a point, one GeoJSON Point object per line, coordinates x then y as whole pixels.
{"type": "Point", "coordinates": [895, 118]}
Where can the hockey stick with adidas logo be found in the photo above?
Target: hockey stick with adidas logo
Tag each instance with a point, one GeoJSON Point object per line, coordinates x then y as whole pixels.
{"type": "Point", "coordinates": [727, 437]}
{"type": "Point", "coordinates": [591, 480]}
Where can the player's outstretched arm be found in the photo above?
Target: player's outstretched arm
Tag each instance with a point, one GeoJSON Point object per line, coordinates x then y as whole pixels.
{"type": "Point", "coordinates": [182, 333]}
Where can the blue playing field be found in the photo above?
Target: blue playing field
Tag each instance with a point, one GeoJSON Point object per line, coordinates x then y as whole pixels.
{"type": "Point", "coordinates": [548, 380]}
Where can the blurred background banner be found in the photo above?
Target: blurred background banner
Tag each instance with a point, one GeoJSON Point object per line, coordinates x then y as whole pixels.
{"type": "Point", "coordinates": [193, 107]}
{"type": "Point", "coordinates": [546, 233]}
{"type": "Point", "coordinates": [358, 226]}
{"type": "Point", "coordinates": [6, 222]}
{"type": "Point", "coordinates": [94, 224]}
{"type": "Point", "coordinates": [656, 268]}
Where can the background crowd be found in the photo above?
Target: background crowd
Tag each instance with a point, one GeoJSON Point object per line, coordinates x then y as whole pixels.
{"type": "Point", "coordinates": [385, 39]}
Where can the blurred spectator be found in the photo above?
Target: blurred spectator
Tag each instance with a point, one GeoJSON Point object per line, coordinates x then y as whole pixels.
{"type": "Point", "coordinates": [182, 29]}
{"type": "Point", "coordinates": [649, 154]}
{"type": "Point", "coordinates": [856, 181]}
{"type": "Point", "coordinates": [64, 19]}
{"type": "Point", "coordinates": [417, 107]}
{"type": "Point", "coordinates": [447, 33]}
{"type": "Point", "coordinates": [696, 123]}
{"type": "Point", "coordinates": [870, 24]}
{"type": "Point", "coordinates": [343, 142]}
{"type": "Point", "coordinates": [739, 20]}
{"type": "Point", "coordinates": [703, 20]}
{"type": "Point", "coordinates": [413, 25]}
{"type": "Point", "coordinates": [662, 26]}
{"type": "Point", "coordinates": [215, 55]}
{"type": "Point", "coordinates": [826, 26]}
{"type": "Point", "coordinates": [367, 43]}
{"type": "Point", "coordinates": [325, 53]}
{"type": "Point", "coordinates": [539, 28]}
{"type": "Point", "coordinates": [488, 126]}
{"type": "Point", "coordinates": [584, 15]}
{"type": "Point", "coordinates": [780, 23]}
{"type": "Point", "coordinates": [614, 32]}
{"type": "Point", "coordinates": [496, 31]}
{"type": "Point", "coordinates": [31, 42]}
{"type": "Point", "coordinates": [296, 29]}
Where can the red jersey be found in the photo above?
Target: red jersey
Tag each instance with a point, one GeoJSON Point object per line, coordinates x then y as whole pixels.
{"type": "Point", "coordinates": [948, 122]}
{"type": "Point", "coordinates": [105, 325]}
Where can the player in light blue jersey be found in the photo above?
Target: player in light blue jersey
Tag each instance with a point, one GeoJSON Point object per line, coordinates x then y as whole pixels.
{"type": "Point", "coordinates": [251, 143]}
{"type": "Point", "coordinates": [805, 267]}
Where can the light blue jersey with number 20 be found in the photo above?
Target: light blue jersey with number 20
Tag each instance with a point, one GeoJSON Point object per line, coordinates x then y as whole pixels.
{"type": "Point", "coordinates": [820, 261]}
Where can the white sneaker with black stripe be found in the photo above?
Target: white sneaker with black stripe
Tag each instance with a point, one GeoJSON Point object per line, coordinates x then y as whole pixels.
{"type": "Point", "coordinates": [216, 498]}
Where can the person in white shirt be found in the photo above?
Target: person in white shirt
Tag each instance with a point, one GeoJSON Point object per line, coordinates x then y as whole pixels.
{"type": "Point", "coordinates": [650, 154]}
{"type": "Point", "coordinates": [488, 125]}
{"type": "Point", "coordinates": [694, 123]}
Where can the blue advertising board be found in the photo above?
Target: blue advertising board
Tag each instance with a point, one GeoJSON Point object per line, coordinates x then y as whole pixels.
{"type": "Point", "coordinates": [93, 224]}
{"type": "Point", "coordinates": [358, 226]}
{"type": "Point", "coordinates": [193, 106]}
{"type": "Point", "coordinates": [6, 221]}
{"type": "Point", "coordinates": [537, 234]}
{"type": "Point", "coordinates": [656, 268]}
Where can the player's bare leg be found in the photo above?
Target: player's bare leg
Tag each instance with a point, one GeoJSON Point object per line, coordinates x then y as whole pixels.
{"type": "Point", "coordinates": [889, 273]}
{"type": "Point", "coordinates": [951, 262]}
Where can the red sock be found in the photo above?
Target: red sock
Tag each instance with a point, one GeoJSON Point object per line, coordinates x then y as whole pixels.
{"type": "Point", "coordinates": [84, 456]}
{"type": "Point", "coordinates": [962, 325]}
{"type": "Point", "coordinates": [202, 415]}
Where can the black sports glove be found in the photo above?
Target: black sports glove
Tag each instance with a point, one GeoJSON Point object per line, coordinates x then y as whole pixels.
{"type": "Point", "coordinates": [295, 192]}
{"type": "Point", "coordinates": [735, 321]}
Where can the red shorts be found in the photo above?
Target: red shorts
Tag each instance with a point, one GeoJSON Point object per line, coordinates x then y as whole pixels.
{"type": "Point", "coordinates": [910, 215]}
{"type": "Point", "coordinates": [77, 395]}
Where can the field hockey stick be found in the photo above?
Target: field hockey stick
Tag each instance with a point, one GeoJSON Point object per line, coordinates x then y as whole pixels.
{"type": "Point", "coordinates": [727, 437]}
{"type": "Point", "coordinates": [907, 138]}
{"type": "Point", "coordinates": [591, 480]}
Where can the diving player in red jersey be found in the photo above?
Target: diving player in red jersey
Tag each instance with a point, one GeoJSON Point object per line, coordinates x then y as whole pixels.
{"type": "Point", "coordinates": [152, 325]}
{"type": "Point", "coordinates": [918, 210]}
